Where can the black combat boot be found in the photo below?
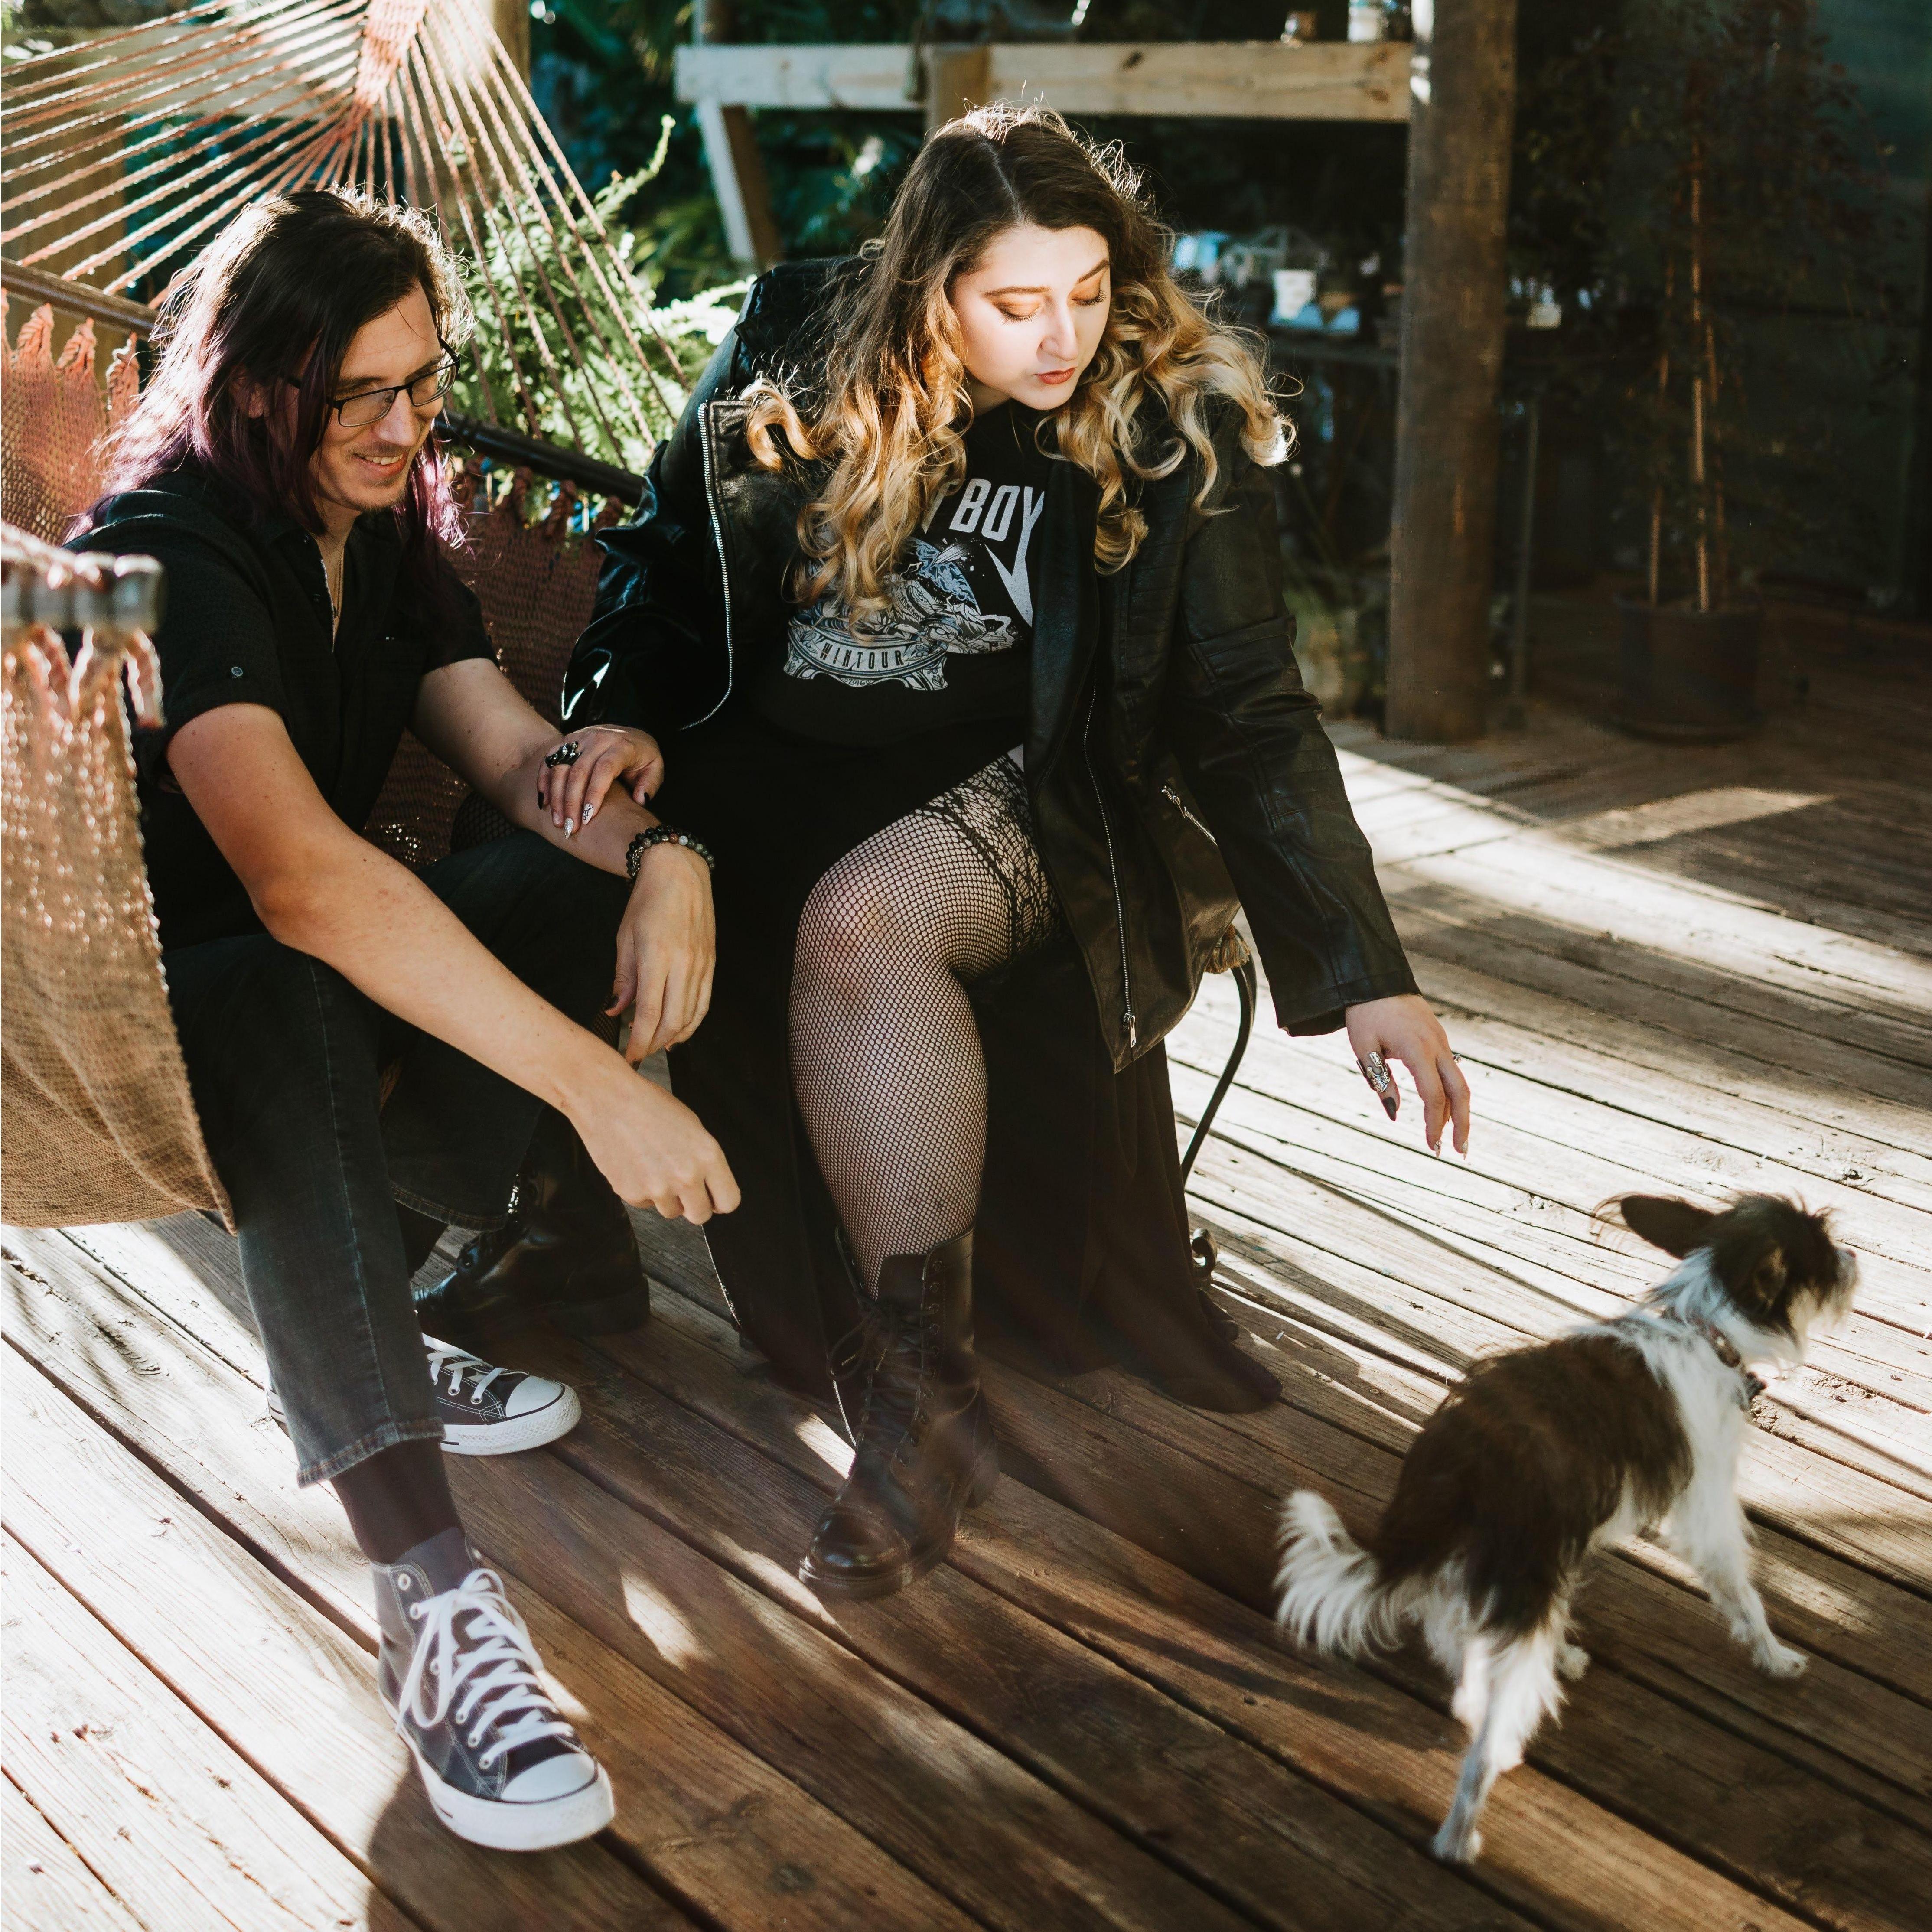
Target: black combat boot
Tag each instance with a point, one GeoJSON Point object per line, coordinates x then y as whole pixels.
{"type": "Point", "coordinates": [566, 1257]}
{"type": "Point", "coordinates": [925, 1452]}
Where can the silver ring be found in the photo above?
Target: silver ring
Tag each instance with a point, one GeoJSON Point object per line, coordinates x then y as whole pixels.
{"type": "Point", "coordinates": [1374, 1071]}
{"type": "Point", "coordinates": [565, 755]}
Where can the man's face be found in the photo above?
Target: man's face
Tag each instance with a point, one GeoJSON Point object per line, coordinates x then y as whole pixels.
{"type": "Point", "coordinates": [368, 468]}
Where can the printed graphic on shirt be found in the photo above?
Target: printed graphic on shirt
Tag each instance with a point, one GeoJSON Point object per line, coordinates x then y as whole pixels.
{"type": "Point", "coordinates": [966, 595]}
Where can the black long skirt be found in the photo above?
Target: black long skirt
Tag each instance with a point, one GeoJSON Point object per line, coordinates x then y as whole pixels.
{"type": "Point", "coordinates": [1081, 1251]}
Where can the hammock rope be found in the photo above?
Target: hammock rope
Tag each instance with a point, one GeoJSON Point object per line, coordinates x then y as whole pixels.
{"type": "Point", "coordinates": [96, 1120]}
{"type": "Point", "coordinates": [123, 155]}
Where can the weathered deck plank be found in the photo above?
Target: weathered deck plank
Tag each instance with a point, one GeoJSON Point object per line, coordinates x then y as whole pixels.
{"type": "Point", "coordinates": [1674, 970]}
{"type": "Point", "coordinates": [707, 1817]}
{"type": "Point", "coordinates": [180, 1827]}
{"type": "Point", "coordinates": [47, 1885]}
{"type": "Point", "coordinates": [287, 1687]}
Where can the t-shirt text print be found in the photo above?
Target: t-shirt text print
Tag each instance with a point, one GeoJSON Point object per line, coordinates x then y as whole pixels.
{"type": "Point", "coordinates": [934, 610]}
{"type": "Point", "coordinates": [963, 594]}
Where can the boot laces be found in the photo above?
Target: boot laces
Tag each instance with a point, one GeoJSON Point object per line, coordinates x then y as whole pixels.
{"type": "Point", "coordinates": [899, 1386]}
{"type": "Point", "coordinates": [459, 1362]}
{"type": "Point", "coordinates": [482, 1252]}
{"type": "Point", "coordinates": [484, 1673]}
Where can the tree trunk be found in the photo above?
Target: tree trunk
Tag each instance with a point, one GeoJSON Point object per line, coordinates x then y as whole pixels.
{"type": "Point", "coordinates": [1442, 547]}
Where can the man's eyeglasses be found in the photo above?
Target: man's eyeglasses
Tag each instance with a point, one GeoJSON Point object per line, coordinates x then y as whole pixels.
{"type": "Point", "coordinates": [369, 406]}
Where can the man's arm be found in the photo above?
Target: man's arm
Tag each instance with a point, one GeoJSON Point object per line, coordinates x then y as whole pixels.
{"type": "Point", "coordinates": [319, 888]}
{"type": "Point", "coordinates": [470, 714]}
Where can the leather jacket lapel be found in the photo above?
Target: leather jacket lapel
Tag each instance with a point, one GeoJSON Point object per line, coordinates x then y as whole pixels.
{"type": "Point", "coordinates": [1066, 613]}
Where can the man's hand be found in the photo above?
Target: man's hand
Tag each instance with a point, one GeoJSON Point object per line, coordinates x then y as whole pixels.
{"type": "Point", "coordinates": [667, 948]}
{"type": "Point", "coordinates": [607, 755]}
{"type": "Point", "coordinates": [1404, 1028]}
{"type": "Point", "coordinates": [652, 1149]}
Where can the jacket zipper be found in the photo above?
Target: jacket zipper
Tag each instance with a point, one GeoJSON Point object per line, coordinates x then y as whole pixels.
{"type": "Point", "coordinates": [1127, 1018]}
{"type": "Point", "coordinates": [718, 539]}
{"type": "Point", "coordinates": [1174, 798]}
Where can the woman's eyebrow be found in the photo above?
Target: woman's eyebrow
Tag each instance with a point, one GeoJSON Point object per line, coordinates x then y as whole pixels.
{"type": "Point", "coordinates": [1017, 289]}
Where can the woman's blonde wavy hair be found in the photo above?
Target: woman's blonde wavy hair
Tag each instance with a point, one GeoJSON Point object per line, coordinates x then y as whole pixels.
{"type": "Point", "coordinates": [889, 405]}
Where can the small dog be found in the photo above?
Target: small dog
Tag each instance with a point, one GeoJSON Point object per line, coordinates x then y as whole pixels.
{"type": "Point", "coordinates": [1541, 1454]}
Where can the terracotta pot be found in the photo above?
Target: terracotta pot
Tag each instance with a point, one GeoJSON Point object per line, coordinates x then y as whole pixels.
{"type": "Point", "coordinates": [1687, 673]}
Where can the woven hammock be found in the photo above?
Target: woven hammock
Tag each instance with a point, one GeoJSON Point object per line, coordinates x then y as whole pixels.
{"type": "Point", "coordinates": [95, 1109]}
{"type": "Point", "coordinates": [121, 160]}
{"type": "Point", "coordinates": [122, 157]}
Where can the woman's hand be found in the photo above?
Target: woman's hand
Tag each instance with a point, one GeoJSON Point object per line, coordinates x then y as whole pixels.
{"type": "Point", "coordinates": [667, 947]}
{"type": "Point", "coordinates": [607, 754]}
{"type": "Point", "coordinates": [1404, 1028]}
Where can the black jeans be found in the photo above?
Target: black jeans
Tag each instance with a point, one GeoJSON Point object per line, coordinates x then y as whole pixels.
{"type": "Point", "coordinates": [287, 1061]}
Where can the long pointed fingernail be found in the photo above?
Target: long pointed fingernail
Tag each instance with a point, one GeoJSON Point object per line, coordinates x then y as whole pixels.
{"type": "Point", "coordinates": [589, 813]}
{"type": "Point", "coordinates": [569, 827]}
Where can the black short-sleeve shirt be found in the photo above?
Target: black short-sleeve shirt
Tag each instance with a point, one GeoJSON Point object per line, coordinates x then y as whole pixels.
{"type": "Point", "coordinates": [246, 622]}
{"type": "Point", "coordinates": [955, 646]}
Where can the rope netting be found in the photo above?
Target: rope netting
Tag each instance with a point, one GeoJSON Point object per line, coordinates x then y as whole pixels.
{"type": "Point", "coordinates": [121, 157]}
{"type": "Point", "coordinates": [124, 155]}
{"type": "Point", "coordinates": [96, 1122]}
{"type": "Point", "coordinates": [536, 582]}
{"type": "Point", "coordinates": [55, 416]}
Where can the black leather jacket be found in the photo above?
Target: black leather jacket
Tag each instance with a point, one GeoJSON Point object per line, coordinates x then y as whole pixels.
{"type": "Point", "coordinates": [1173, 758]}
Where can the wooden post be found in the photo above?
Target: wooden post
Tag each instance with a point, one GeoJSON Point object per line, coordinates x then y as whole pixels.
{"type": "Point", "coordinates": [958, 79]}
{"type": "Point", "coordinates": [1442, 560]}
{"type": "Point", "coordinates": [511, 20]}
{"type": "Point", "coordinates": [731, 152]}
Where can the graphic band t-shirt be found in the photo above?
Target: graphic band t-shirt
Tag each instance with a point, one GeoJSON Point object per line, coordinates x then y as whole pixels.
{"type": "Point", "coordinates": [955, 646]}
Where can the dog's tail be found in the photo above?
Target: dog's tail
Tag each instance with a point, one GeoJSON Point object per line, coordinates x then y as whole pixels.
{"type": "Point", "coordinates": [1332, 1593]}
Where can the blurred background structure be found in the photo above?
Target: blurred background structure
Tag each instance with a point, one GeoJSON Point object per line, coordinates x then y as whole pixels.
{"type": "Point", "coordinates": [1707, 295]}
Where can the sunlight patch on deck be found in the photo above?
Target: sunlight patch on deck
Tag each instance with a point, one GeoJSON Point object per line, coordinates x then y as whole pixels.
{"type": "Point", "coordinates": [1709, 810]}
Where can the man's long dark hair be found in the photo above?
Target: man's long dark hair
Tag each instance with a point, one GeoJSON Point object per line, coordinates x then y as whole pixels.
{"type": "Point", "coordinates": [278, 297]}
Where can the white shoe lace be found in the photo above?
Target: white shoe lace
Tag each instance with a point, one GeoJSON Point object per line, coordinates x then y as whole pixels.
{"type": "Point", "coordinates": [485, 1676]}
{"type": "Point", "coordinates": [442, 1356]}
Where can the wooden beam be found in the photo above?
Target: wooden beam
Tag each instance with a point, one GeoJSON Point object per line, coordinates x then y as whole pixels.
{"type": "Point", "coordinates": [511, 20]}
{"type": "Point", "coordinates": [731, 151]}
{"type": "Point", "coordinates": [958, 79]}
{"type": "Point", "coordinates": [1442, 568]}
{"type": "Point", "coordinates": [1328, 80]}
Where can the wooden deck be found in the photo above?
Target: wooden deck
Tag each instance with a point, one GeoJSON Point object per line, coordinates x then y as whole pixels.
{"type": "Point", "coordinates": [1689, 970]}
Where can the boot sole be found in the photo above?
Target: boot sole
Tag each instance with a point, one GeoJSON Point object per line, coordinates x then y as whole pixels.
{"type": "Point", "coordinates": [501, 1827]}
{"type": "Point", "coordinates": [985, 1480]}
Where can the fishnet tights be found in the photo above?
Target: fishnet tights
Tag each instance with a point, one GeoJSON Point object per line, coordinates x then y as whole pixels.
{"type": "Point", "coordinates": [885, 1059]}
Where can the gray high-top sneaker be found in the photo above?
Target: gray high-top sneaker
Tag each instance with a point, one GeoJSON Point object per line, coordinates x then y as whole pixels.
{"type": "Point", "coordinates": [485, 1410]}
{"type": "Point", "coordinates": [458, 1672]}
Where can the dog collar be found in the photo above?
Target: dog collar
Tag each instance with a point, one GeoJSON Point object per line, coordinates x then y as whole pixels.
{"type": "Point", "coordinates": [1726, 1351]}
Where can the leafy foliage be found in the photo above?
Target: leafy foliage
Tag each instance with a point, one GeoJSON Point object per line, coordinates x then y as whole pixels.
{"type": "Point", "coordinates": [595, 392]}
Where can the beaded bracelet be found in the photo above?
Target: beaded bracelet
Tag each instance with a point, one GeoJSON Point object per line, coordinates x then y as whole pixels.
{"type": "Point", "coordinates": [641, 842]}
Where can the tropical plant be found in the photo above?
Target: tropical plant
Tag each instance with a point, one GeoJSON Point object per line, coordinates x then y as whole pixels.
{"type": "Point", "coordinates": [582, 342]}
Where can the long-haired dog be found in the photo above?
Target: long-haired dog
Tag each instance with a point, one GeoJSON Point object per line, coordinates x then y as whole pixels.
{"type": "Point", "coordinates": [1540, 1455]}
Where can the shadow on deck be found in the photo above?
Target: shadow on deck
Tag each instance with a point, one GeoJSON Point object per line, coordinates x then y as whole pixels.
{"type": "Point", "coordinates": [1690, 970]}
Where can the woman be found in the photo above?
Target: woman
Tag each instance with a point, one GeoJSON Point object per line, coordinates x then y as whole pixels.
{"type": "Point", "coordinates": [955, 603]}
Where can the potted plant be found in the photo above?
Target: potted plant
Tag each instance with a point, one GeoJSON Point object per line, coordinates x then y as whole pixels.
{"type": "Point", "coordinates": [1741, 204]}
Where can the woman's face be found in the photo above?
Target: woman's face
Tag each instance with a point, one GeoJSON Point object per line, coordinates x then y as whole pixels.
{"type": "Point", "coordinates": [1031, 312]}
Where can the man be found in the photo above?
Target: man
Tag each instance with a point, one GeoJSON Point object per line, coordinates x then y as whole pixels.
{"type": "Point", "coordinates": [280, 466]}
